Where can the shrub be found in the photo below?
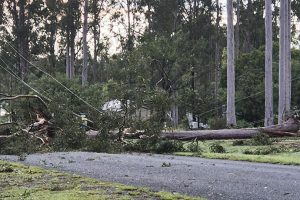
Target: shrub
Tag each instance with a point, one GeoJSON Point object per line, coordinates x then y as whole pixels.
{"type": "Point", "coordinates": [243, 124]}
{"type": "Point", "coordinates": [263, 151]}
{"type": "Point", "coordinates": [238, 143]}
{"type": "Point", "coordinates": [169, 146]}
{"type": "Point", "coordinates": [261, 139]}
{"type": "Point", "coordinates": [216, 148]}
{"type": "Point", "coordinates": [194, 147]}
{"type": "Point", "coordinates": [216, 123]}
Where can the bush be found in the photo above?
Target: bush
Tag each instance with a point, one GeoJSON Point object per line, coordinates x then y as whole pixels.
{"type": "Point", "coordinates": [263, 151]}
{"type": "Point", "coordinates": [169, 146]}
{"type": "Point", "coordinates": [216, 123]}
{"type": "Point", "coordinates": [194, 147]}
{"type": "Point", "coordinates": [261, 139]}
{"type": "Point", "coordinates": [18, 145]}
{"type": "Point", "coordinates": [243, 124]}
{"type": "Point", "coordinates": [238, 143]}
{"type": "Point", "coordinates": [216, 148]}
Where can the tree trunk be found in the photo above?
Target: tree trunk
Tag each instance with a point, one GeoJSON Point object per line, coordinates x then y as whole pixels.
{"type": "Point", "coordinates": [288, 57]}
{"type": "Point", "coordinates": [217, 57]}
{"type": "Point", "coordinates": [85, 48]}
{"type": "Point", "coordinates": [68, 62]}
{"type": "Point", "coordinates": [282, 63]}
{"type": "Point", "coordinates": [129, 28]}
{"type": "Point", "coordinates": [268, 65]}
{"type": "Point", "coordinates": [174, 110]}
{"type": "Point", "coordinates": [19, 17]}
{"type": "Point", "coordinates": [95, 57]}
{"type": "Point", "coordinates": [289, 128]}
{"type": "Point", "coordinates": [237, 29]}
{"type": "Point", "coordinates": [72, 59]}
{"type": "Point", "coordinates": [230, 114]}
{"type": "Point", "coordinates": [52, 39]}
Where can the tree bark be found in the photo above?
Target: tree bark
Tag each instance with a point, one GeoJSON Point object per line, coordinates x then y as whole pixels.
{"type": "Point", "coordinates": [84, 74]}
{"type": "Point", "coordinates": [268, 65]}
{"type": "Point", "coordinates": [230, 114]}
{"type": "Point", "coordinates": [68, 76]}
{"type": "Point", "coordinates": [289, 128]}
{"type": "Point", "coordinates": [284, 104]}
{"type": "Point", "coordinates": [217, 57]}
{"type": "Point", "coordinates": [288, 57]}
{"type": "Point", "coordinates": [237, 29]}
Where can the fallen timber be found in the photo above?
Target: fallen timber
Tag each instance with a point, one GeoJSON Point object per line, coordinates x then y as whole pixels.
{"type": "Point", "coordinates": [289, 128]}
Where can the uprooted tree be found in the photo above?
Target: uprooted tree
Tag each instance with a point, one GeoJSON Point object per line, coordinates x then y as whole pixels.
{"type": "Point", "coordinates": [43, 129]}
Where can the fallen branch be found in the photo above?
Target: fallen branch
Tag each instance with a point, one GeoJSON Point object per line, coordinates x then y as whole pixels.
{"type": "Point", "coordinates": [8, 124]}
{"type": "Point", "coordinates": [11, 98]}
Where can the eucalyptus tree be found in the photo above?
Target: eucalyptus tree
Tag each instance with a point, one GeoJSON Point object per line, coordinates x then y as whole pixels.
{"type": "Point", "coordinates": [268, 64]}
{"type": "Point", "coordinates": [251, 25]}
{"type": "Point", "coordinates": [217, 53]}
{"type": "Point", "coordinates": [70, 23]}
{"type": "Point", "coordinates": [237, 28]}
{"type": "Point", "coordinates": [230, 113]}
{"type": "Point", "coordinates": [21, 31]}
{"type": "Point", "coordinates": [288, 70]}
{"type": "Point", "coordinates": [98, 9]}
{"type": "Point", "coordinates": [51, 26]}
{"type": "Point", "coordinates": [84, 74]}
{"type": "Point", "coordinates": [284, 62]}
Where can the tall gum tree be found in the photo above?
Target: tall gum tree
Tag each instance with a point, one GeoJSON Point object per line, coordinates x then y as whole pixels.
{"type": "Point", "coordinates": [268, 64]}
{"type": "Point", "coordinates": [230, 114]}
{"type": "Point", "coordinates": [284, 102]}
{"type": "Point", "coordinates": [84, 74]}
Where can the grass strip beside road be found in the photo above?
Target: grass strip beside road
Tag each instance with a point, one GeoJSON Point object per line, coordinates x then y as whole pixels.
{"type": "Point", "coordinates": [280, 158]}
{"type": "Point", "coordinates": [18, 181]}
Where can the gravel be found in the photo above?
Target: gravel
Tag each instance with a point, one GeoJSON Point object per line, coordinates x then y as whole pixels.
{"type": "Point", "coordinates": [213, 179]}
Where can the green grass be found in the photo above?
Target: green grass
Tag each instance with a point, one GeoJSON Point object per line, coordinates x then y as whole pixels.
{"type": "Point", "coordinates": [289, 152]}
{"type": "Point", "coordinates": [18, 181]}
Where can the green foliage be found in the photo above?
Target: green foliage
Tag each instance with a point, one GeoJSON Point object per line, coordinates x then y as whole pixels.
{"type": "Point", "coordinates": [216, 123]}
{"type": "Point", "coordinates": [243, 124]}
{"type": "Point", "coordinates": [169, 146]}
{"type": "Point", "coordinates": [238, 143]}
{"type": "Point", "coordinates": [263, 151]}
{"type": "Point", "coordinates": [6, 168]}
{"type": "Point", "coordinates": [216, 148]}
{"type": "Point", "coordinates": [261, 139]}
{"type": "Point", "coordinates": [151, 140]}
{"type": "Point", "coordinates": [19, 145]}
{"type": "Point", "coordinates": [250, 86]}
{"type": "Point", "coordinates": [194, 147]}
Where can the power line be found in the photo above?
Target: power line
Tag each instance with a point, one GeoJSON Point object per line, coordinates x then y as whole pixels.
{"type": "Point", "coordinates": [7, 61]}
{"type": "Point", "coordinates": [26, 84]}
{"type": "Point", "coordinates": [238, 100]}
{"type": "Point", "coordinates": [66, 88]}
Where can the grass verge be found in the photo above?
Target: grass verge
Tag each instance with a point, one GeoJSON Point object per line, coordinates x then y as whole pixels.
{"type": "Point", "coordinates": [281, 158]}
{"type": "Point", "coordinates": [282, 151]}
{"type": "Point", "coordinates": [18, 181]}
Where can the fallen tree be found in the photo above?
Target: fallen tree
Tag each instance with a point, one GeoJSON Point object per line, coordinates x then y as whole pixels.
{"type": "Point", "coordinates": [44, 130]}
{"type": "Point", "coordinates": [40, 129]}
{"type": "Point", "coordinates": [289, 128]}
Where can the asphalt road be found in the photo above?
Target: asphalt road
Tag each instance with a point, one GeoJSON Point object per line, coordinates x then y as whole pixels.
{"type": "Point", "coordinates": [213, 179]}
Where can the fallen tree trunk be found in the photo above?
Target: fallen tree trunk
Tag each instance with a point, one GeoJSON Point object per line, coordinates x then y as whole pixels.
{"type": "Point", "coordinates": [289, 128]}
{"type": "Point", "coordinates": [222, 134]}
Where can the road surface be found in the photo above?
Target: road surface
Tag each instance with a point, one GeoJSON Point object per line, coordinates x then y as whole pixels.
{"type": "Point", "coordinates": [213, 179]}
